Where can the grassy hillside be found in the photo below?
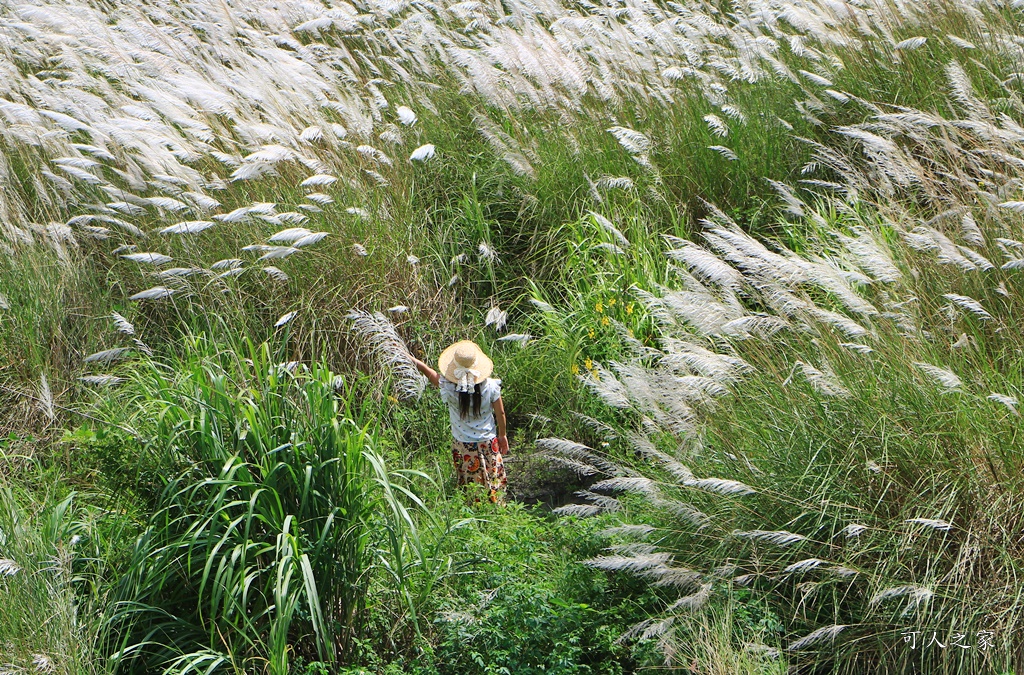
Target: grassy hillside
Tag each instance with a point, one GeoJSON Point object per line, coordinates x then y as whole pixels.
{"type": "Point", "coordinates": [749, 272]}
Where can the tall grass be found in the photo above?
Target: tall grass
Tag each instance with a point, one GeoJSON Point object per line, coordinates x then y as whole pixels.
{"type": "Point", "coordinates": [851, 370]}
{"type": "Point", "coordinates": [835, 448]}
{"type": "Point", "coordinates": [277, 519]}
{"type": "Point", "coordinates": [50, 559]}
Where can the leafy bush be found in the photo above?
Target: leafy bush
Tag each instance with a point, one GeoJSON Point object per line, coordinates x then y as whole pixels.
{"type": "Point", "coordinates": [270, 533]}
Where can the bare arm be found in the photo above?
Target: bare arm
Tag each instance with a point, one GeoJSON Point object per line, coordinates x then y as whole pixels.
{"type": "Point", "coordinates": [430, 373]}
{"type": "Point", "coordinates": [499, 419]}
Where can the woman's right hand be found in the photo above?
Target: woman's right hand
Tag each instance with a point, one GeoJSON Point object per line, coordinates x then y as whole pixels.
{"type": "Point", "coordinates": [503, 443]}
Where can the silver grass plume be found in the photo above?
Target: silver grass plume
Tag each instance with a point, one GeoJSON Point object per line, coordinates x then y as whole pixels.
{"type": "Point", "coordinates": [122, 324]}
{"type": "Point", "coordinates": [101, 380]}
{"type": "Point", "coordinates": [610, 228]}
{"type": "Point", "coordinates": [853, 530]}
{"type": "Point", "coordinates": [693, 602]}
{"type": "Point", "coordinates": [45, 400]}
{"type": "Point", "coordinates": [578, 510]}
{"type": "Point", "coordinates": [820, 635]}
{"type": "Point", "coordinates": [581, 458]}
{"type": "Point", "coordinates": [778, 537]}
{"type": "Point", "coordinates": [931, 523]}
{"type": "Point", "coordinates": [107, 356]}
{"type": "Point", "coordinates": [918, 595]}
{"type": "Point", "coordinates": [1009, 401]}
{"type": "Point", "coordinates": [43, 663]}
{"type": "Point", "coordinates": [635, 564]}
{"type": "Point", "coordinates": [803, 565]}
{"type": "Point", "coordinates": [389, 350]}
{"type": "Point", "coordinates": [627, 530]}
{"type": "Point", "coordinates": [945, 378]}
{"type": "Point", "coordinates": [719, 486]}
{"type": "Point", "coordinates": [969, 304]}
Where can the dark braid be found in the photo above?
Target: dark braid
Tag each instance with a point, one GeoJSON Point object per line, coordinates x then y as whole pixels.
{"type": "Point", "coordinates": [464, 400]}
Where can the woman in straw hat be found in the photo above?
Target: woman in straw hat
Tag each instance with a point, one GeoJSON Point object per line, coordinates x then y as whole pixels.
{"type": "Point", "coordinates": [477, 414]}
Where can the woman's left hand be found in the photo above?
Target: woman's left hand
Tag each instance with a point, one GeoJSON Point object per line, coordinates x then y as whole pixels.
{"type": "Point", "coordinates": [503, 443]}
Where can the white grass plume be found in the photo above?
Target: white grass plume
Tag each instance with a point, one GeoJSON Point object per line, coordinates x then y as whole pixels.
{"type": "Point", "coordinates": [931, 523]}
{"type": "Point", "coordinates": [149, 258]}
{"type": "Point", "coordinates": [853, 530]}
{"type": "Point", "coordinates": [285, 318]}
{"type": "Point", "coordinates": [101, 380]}
{"type": "Point", "coordinates": [275, 273]}
{"type": "Point", "coordinates": [405, 115]}
{"type": "Point", "coordinates": [613, 183]}
{"type": "Point", "coordinates": [777, 537]}
{"type": "Point", "coordinates": [496, 317]}
{"type": "Point", "coordinates": [107, 356]}
{"type": "Point", "coordinates": [122, 324]}
{"type": "Point", "coordinates": [634, 142]}
{"type": "Point", "coordinates": [969, 304]}
{"type": "Point", "coordinates": [521, 338]}
{"type": "Point", "coordinates": [693, 602]}
{"type": "Point", "coordinates": [423, 153]}
{"type": "Point", "coordinates": [719, 486]}
{"type": "Point", "coordinates": [320, 198]}
{"type": "Point", "coordinates": [825, 383]}
{"type": "Point", "coordinates": [45, 400]}
{"type": "Point", "coordinates": [388, 348]}
{"type": "Point", "coordinates": [822, 634]}
{"type": "Point", "coordinates": [578, 510]}
{"type": "Point", "coordinates": [945, 378]}
{"type": "Point", "coordinates": [634, 564]}
{"type": "Point", "coordinates": [918, 595]}
{"type": "Point", "coordinates": [804, 565]}
{"type": "Point", "coordinates": [610, 228]}
{"type": "Point", "coordinates": [289, 235]}
{"type": "Point", "coordinates": [485, 252]}
{"type": "Point", "coordinates": [1009, 401]}
{"type": "Point", "coordinates": [724, 151]}
{"type": "Point", "coordinates": [43, 664]}
{"type": "Point", "coordinates": [638, 484]}
{"type": "Point", "coordinates": [910, 43]}
{"type": "Point", "coordinates": [278, 252]}
{"type": "Point", "coordinates": [154, 293]}
{"type": "Point", "coordinates": [318, 180]}
{"type": "Point", "coordinates": [188, 227]}
{"type": "Point", "coordinates": [716, 125]}
{"type": "Point", "coordinates": [627, 530]}
{"type": "Point", "coordinates": [309, 239]}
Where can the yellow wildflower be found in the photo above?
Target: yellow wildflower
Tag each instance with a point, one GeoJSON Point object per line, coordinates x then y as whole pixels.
{"type": "Point", "coordinates": [599, 307]}
{"type": "Point", "coordinates": [597, 375]}
{"type": "Point", "coordinates": [590, 333]}
{"type": "Point", "coordinates": [574, 369]}
{"type": "Point", "coordinates": [605, 321]}
{"type": "Point", "coordinates": [629, 308]}
{"type": "Point", "coordinates": [392, 399]}
{"type": "Point", "coordinates": [589, 364]}
{"type": "Point", "coordinates": [611, 302]}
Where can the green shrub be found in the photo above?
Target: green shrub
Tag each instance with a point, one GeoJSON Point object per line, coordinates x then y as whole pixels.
{"type": "Point", "coordinates": [277, 518]}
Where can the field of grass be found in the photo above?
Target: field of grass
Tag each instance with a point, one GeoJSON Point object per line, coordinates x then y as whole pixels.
{"type": "Point", "coordinates": [749, 272]}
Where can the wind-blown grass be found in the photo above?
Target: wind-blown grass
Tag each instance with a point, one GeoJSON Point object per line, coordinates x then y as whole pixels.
{"type": "Point", "coordinates": [813, 413]}
{"type": "Point", "coordinates": [860, 500]}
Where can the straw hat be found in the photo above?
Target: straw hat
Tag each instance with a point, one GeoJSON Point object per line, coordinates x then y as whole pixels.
{"type": "Point", "coordinates": [465, 364]}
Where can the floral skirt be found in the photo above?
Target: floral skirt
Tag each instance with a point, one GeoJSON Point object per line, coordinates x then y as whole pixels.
{"type": "Point", "coordinates": [480, 463]}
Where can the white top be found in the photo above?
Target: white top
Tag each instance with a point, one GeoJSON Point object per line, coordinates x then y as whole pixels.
{"type": "Point", "coordinates": [472, 429]}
